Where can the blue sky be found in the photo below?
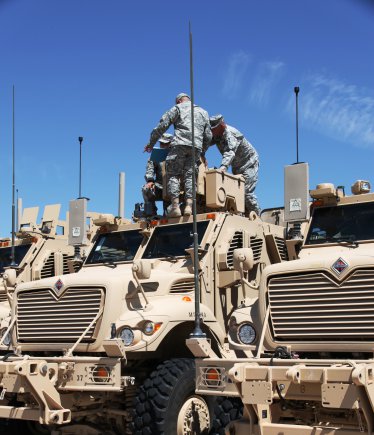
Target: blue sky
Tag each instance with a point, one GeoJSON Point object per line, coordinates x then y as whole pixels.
{"type": "Point", "coordinates": [107, 71]}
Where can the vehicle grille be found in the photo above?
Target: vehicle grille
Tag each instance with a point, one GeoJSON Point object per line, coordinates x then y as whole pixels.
{"type": "Point", "coordinates": [314, 307]}
{"type": "Point", "coordinates": [48, 269]}
{"type": "Point", "coordinates": [236, 242]}
{"type": "Point", "coordinates": [184, 286]}
{"type": "Point", "coordinates": [3, 296]}
{"type": "Point", "coordinates": [43, 318]}
{"type": "Point", "coordinates": [65, 260]}
{"type": "Point", "coordinates": [256, 245]}
{"type": "Point", "coordinates": [281, 244]}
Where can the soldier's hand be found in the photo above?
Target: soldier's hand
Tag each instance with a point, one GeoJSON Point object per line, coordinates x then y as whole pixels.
{"type": "Point", "coordinates": [150, 184]}
{"type": "Point", "coordinates": [223, 168]}
{"type": "Point", "coordinates": [148, 148]}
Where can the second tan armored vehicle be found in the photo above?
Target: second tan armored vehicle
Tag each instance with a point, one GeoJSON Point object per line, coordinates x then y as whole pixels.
{"type": "Point", "coordinates": [40, 251]}
{"type": "Point", "coordinates": [104, 349]}
{"type": "Point", "coordinates": [309, 369]}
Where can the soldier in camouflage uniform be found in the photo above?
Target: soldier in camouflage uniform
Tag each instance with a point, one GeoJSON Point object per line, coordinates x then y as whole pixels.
{"type": "Point", "coordinates": [152, 190]}
{"type": "Point", "coordinates": [179, 160]}
{"type": "Point", "coordinates": [240, 154]}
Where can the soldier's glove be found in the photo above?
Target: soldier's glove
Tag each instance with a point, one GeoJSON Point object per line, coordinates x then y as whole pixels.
{"type": "Point", "coordinates": [148, 148]}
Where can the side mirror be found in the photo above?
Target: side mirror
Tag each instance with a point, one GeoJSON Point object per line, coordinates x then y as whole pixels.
{"type": "Point", "coordinates": [142, 269]}
{"type": "Point", "coordinates": [243, 259]}
{"type": "Point", "coordinates": [10, 277]}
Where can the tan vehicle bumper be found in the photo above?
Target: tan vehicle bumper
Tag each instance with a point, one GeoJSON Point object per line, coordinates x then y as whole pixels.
{"type": "Point", "coordinates": [45, 386]}
{"type": "Point", "coordinates": [264, 386]}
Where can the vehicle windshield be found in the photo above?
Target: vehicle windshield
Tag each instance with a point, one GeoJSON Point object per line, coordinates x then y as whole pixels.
{"type": "Point", "coordinates": [172, 240]}
{"type": "Point", "coordinates": [113, 247]}
{"type": "Point", "coordinates": [346, 223]}
{"type": "Point", "coordinates": [6, 255]}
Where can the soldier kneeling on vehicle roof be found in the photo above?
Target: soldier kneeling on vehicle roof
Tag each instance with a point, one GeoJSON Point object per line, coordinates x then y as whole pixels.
{"type": "Point", "coordinates": [153, 189]}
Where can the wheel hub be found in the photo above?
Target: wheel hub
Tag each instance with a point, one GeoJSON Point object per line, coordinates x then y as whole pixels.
{"type": "Point", "coordinates": [194, 417]}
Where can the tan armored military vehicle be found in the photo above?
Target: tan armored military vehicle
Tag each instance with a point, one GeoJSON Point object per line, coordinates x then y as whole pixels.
{"type": "Point", "coordinates": [104, 349]}
{"type": "Point", "coordinates": [309, 369]}
{"type": "Point", "coordinates": [40, 251]}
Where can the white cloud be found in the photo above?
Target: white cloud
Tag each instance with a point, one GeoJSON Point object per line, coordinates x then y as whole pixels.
{"type": "Point", "coordinates": [237, 67]}
{"type": "Point", "coordinates": [268, 74]}
{"type": "Point", "coordinates": [340, 110]}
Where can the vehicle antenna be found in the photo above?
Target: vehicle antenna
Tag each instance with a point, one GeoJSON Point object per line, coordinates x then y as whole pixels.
{"type": "Point", "coordinates": [80, 138]}
{"type": "Point", "coordinates": [13, 256]}
{"type": "Point", "coordinates": [296, 90]}
{"type": "Point", "coordinates": [17, 211]}
{"type": "Point", "coordinates": [197, 332]}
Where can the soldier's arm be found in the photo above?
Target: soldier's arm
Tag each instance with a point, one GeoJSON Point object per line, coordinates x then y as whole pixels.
{"type": "Point", "coordinates": [231, 145]}
{"type": "Point", "coordinates": [207, 138]}
{"type": "Point", "coordinates": [166, 121]}
{"type": "Point", "coordinates": [150, 171]}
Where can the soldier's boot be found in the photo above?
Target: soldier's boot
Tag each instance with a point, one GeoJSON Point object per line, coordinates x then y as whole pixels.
{"type": "Point", "coordinates": [188, 208]}
{"type": "Point", "coordinates": [174, 210]}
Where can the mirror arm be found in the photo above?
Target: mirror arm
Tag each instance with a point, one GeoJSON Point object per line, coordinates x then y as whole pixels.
{"type": "Point", "coordinates": [9, 296]}
{"type": "Point", "coordinates": [140, 287]}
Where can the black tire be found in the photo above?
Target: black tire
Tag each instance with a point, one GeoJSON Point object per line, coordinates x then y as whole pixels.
{"type": "Point", "coordinates": [226, 409]}
{"type": "Point", "coordinates": [162, 396]}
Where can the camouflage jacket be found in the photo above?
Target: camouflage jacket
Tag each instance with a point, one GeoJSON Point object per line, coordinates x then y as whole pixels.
{"type": "Point", "coordinates": [235, 149]}
{"type": "Point", "coordinates": [153, 172]}
{"type": "Point", "coordinates": [180, 116]}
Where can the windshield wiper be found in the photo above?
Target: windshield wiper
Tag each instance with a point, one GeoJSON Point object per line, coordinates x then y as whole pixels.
{"type": "Point", "coordinates": [171, 257]}
{"type": "Point", "coordinates": [344, 240]}
{"type": "Point", "coordinates": [110, 263]}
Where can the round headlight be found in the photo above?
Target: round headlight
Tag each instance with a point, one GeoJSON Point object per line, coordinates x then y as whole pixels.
{"type": "Point", "coordinates": [6, 341]}
{"type": "Point", "coordinates": [127, 336]}
{"type": "Point", "coordinates": [149, 328]}
{"type": "Point", "coordinates": [246, 333]}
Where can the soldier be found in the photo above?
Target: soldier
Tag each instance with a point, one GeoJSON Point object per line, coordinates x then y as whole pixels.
{"type": "Point", "coordinates": [152, 190]}
{"type": "Point", "coordinates": [240, 154]}
{"type": "Point", "coordinates": [179, 159]}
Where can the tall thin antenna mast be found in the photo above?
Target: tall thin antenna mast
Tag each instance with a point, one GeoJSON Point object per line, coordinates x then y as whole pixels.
{"type": "Point", "coordinates": [17, 211]}
{"type": "Point", "coordinates": [80, 138]}
{"type": "Point", "coordinates": [296, 90]}
{"type": "Point", "coordinates": [197, 332]}
{"type": "Point", "coordinates": [13, 256]}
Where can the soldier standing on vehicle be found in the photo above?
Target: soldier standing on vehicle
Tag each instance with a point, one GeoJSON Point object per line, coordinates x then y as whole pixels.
{"type": "Point", "coordinates": [179, 160]}
{"type": "Point", "coordinates": [240, 154]}
{"type": "Point", "coordinates": [153, 189]}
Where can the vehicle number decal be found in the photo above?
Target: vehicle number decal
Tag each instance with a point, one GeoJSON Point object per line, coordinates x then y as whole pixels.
{"type": "Point", "coordinates": [295, 204]}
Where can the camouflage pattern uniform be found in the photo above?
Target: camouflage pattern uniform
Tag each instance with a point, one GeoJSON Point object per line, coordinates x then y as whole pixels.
{"type": "Point", "coordinates": [152, 194]}
{"type": "Point", "coordinates": [153, 174]}
{"type": "Point", "coordinates": [243, 158]}
{"type": "Point", "coordinates": [179, 159]}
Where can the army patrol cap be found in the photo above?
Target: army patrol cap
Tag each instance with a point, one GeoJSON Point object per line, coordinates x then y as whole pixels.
{"type": "Point", "coordinates": [166, 138]}
{"type": "Point", "coordinates": [215, 120]}
{"type": "Point", "coordinates": [181, 95]}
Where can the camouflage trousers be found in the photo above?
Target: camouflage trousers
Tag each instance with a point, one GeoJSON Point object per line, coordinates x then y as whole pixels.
{"type": "Point", "coordinates": [150, 196]}
{"type": "Point", "coordinates": [250, 175]}
{"type": "Point", "coordinates": [179, 170]}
